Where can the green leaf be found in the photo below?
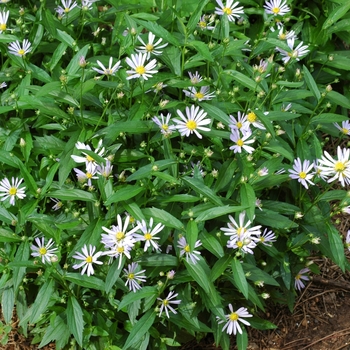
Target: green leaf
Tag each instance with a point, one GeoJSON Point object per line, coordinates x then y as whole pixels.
{"type": "Point", "coordinates": [56, 331]}
{"type": "Point", "coordinates": [326, 118]}
{"type": "Point", "coordinates": [292, 95]}
{"type": "Point", "coordinates": [220, 266]}
{"type": "Point", "coordinates": [164, 217]}
{"type": "Point", "coordinates": [145, 292]}
{"type": "Point", "coordinates": [219, 211]}
{"type": "Point", "coordinates": [191, 233]}
{"type": "Point", "coordinates": [7, 303]}
{"type": "Point", "coordinates": [212, 244]}
{"type": "Point", "coordinates": [113, 274]}
{"type": "Point", "coordinates": [336, 14]}
{"type": "Point", "coordinates": [274, 220]}
{"type": "Point", "coordinates": [216, 113]}
{"type": "Point", "coordinates": [199, 187]}
{"type": "Point", "coordinates": [310, 82]}
{"type": "Point", "coordinates": [74, 64]}
{"type": "Point", "coordinates": [159, 31]}
{"type": "Point", "coordinates": [158, 260]}
{"type": "Point", "coordinates": [198, 274]}
{"type": "Point", "coordinates": [41, 301]}
{"type": "Point", "coordinates": [202, 49]}
{"type": "Point", "coordinates": [248, 199]}
{"type": "Point", "coordinates": [72, 195]}
{"type": "Point", "coordinates": [239, 277]}
{"type": "Point", "coordinates": [180, 198]}
{"type": "Point", "coordinates": [338, 99]}
{"type": "Point", "coordinates": [75, 319]}
{"type": "Point", "coordinates": [126, 192]}
{"type": "Point", "coordinates": [85, 281]}
{"type": "Point", "coordinates": [147, 170]}
{"type": "Point", "coordinates": [8, 236]}
{"type": "Point", "coordinates": [242, 340]}
{"type": "Point", "coordinates": [336, 246]}
{"type": "Point", "coordinates": [65, 38]}
{"type": "Point", "coordinates": [244, 80]}
{"type": "Point", "coordinates": [196, 15]}
{"type": "Point", "coordinates": [333, 195]}
{"type": "Point", "coordinates": [140, 329]}
{"type": "Point", "coordinates": [255, 274]}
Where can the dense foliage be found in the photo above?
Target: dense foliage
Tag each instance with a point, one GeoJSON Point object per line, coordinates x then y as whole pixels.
{"type": "Point", "coordinates": [166, 166]}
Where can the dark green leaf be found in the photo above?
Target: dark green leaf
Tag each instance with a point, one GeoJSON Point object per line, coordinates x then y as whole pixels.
{"type": "Point", "coordinates": [75, 319]}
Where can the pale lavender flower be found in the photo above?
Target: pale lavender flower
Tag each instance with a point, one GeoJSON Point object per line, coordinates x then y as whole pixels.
{"type": "Point", "coordinates": [186, 250]}
{"type": "Point", "coordinates": [232, 324]}
{"type": "Point", "coordinates": [16, 49]}
{"type": "Point", "coordinates": [241, 142]}
{"type": "Point", "coordinates": [139, 68]}
{"type": "Point", "coordinates": [11, 189]}
{"type": "Point", "coordinates": [276, 7]}
{"type": "Point", "coordinates": [230, 9]}
{"type": "Point", "coordinates": [88, 258]}
{"type": "Point", "coordinates": [149, 234]}
{"type": "Point", "coordinates": [165, 305]}
{"type": "Point", "coordinates": [203, 94]}
{"type": "Point", "coordinates": [151, 47]}
{"type": "Point", "coordinates": [301, 172]}
{"type": "Point", "coordinates": [45, 252]}
{"type": "Point", "coordinates": [133, 277]}
{"type": "Point", "coordinates": [344, 128]}
{"type": "Point", "coordinates": [299, 284]}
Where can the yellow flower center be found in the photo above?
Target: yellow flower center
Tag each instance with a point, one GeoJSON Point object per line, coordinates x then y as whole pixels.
{"type": "Point", "coordinates": [202, 24]}
{"type": "Point", "coordinates": [227, 10]}
{"type": "Point", "coordinates": [140, 70]}
{"type": "Point", "coordinates": [293, 54]}
{"type": "Point", "coordinates": [67, 9]}
{"type": "Point", "coordinates": [241, 230]}
{"type": "Point", "coordinates": [148, 236]}
{"type": "Point", "coordinates": [3, 26]}
{"type": "Point", "coordinates": [165, 127]}
{"type": "Point", "coordinates": [88, 259]}
{"type": "Point", "coordinates": [234, 316]}
{"type": "Point", "coordinates": [132, 219]}
{"type": "Point", "coordinates": [297, 277]}
{"type": "Point", "coordinates": [282, 36]}
{"type": "Point", "coordinates": [191, 124]}
{"type": "Point", "coordinates": [187, 249]}
{"type": "Point", "coordinates": [239, 125]}
{"type": "Point", "coordinates": [12, 191]}
{"type": "Point", "coordinates": [149, 47]}
{"type": "Point", "coordinates": [42, 251]}
{"type": "Point", "coordinates": [119, 235]}
{"type": "Point", "coordinates": [345, 131]}
{"type": "Point", "coordinates": [131, 276]}
{"type": "Point", "coordinates": [108, 71]}
{"type": "Point", "coordinates": [88, 175]}
{"type": "Point", "coordinates": [276, 10]}
{"type": "Point", "coordinates": [339, 166]}
{"type": "Point", "coordinates": [302, 175]}
{"type": "Point", "coordinates": [89, 158]}
{"type": "Point", "coordinates": [120, 250]}
{"type": "Point", "coordinates": [198, 95]}
{"type": "Point", "coordinates": [240, 143]}
{"type": "Point", "coordinates": [21, 52]}
{"type": "Point", "coordinates": [165, 302]}
{"type": "Point", "coordinates": [252, 117]}
{"type": "Point", "coordinates": [262, 239]}
{"type": "Point", "coordinates": [239, 244]}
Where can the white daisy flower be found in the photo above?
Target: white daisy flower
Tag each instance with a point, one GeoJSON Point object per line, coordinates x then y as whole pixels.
{"type": "Point", "coordinates": [139, 69]}
{"type": "Point", "coordinates": [238, 229]}
{"type": "Point", "coordinates": [205, 21]}
{"type": "Point", "coordinates": [16, 49]}
{"type": "Point", "coordinates": [88, 259]}
{"type": "Point", "coordinates": [267, 238]}
{"type": "Point", "coordinates": [203, 94]}
{"type": "Point", "coordinates": [118, 251]}
{"type": "Point", "coordinates": [163, 124]}
{"type": "Point", "coordinates": [11, 190]}
{"type": "Point", "coordinates": [89, 161]}
{"type": "Point", "coordinates": [344, 128]}
{"type": "Point", "coordinates": [347, 240]}
{"type": "Point", "coordinates": [151, 47]}
{"type": "Point", "coordinates": [298, 283]}
{"type": "Point", "coordinates": [244, 242]}
{"type": "Point", "coordinates": [300, 172]}
{"type": "Point", "coordinates": [241, 123]}
{"type": "Point", "coordinates": [346, 210]}
{"type": "Point", "coordinates": [194, 120]}
{"type": "Point", "coordinates": [263, 171]}
{"type": "Point", "coordinates": [86, 176]}
{"type": "Point", "coordinates": [119, 234]}
{"type": "Point", "coordinates": [276, 7]}
{"type": "Point", "coordinates": [45, 252]}
{"type": "Point", "coordinates": [3, 85]}
{"type": "Point", "coordinates": [297, 53]}
{"type": "Point", "coordinates": [230, 9]}
{"type": "Point", "coordinates": [4, 15]}
{"type": "Point", "coordinates": [252, 118]}
{"type": "Point", "coordinates": [282, 35]}
{"type": "Point", "coordinates": [195, 78]}
{"type": "Point", "coordinates": [149, 233]}
{"type": "Point", "coordinates": [58, 204]}
{"type": "Point", "coordinates": [87, 4]}
{"type": "Point", "coordinates": [166, 304]}
{"type": "Point", "coordinates": [338, 169]}
{"type": "Point", "coordinates": [105, 170]}
{"type": "Point", "coordinates": [107, 71]}
{"type": "Point", "coordinates": [241, 141]}
{"type": "Point", "coordinates": [186, 250]}
{"type": "Point", "coordinates": [133, 277]}
{"type": "Point", "coordinates": [67, 6]}
{"type": "Point", "coordinates": [232, 324]}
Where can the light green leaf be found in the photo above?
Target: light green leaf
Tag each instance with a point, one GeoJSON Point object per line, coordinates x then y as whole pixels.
{"type": "Point", "coordinates": [220, 266]}
{"type": "Point", "coordinates": [215, 212]}
{"type": "Point", "coordinates": [145, 292]}
{"type": "Point", "coordinates": [338, 99]}
{"type": "Point", "coordinates": [310, 82]}
{"type": "Point", "coordinates": [202, 49]}
{"type": "Point", "coordinates": [58, 331]}
{"type": "Point", "coordinates": [158, 260]}
{"type": "Point", "coordinates": [113, 274]}
{"type": "Point", "coordinates": [164, 217]}
{"type": "Point", "coordinates": [248, 199]}
{"type": "Point", "coordinates": [336, 14]}
{"type": "Point", "coordinates": [191, 233]}
{"type": "Point", "coordinates": [242, 340]}
{"type": "Point", "coordinates": [198, 274]}
{"type": "Point", "coordinates": [212, 244]}
{"type": "Point", "coordinates": [72, 195]}
{"type": "Point", "coordinates": [147, 170]}
{"type": "Point", "coordinates": [244, 80]}
{"type": "Point", "coordinates": [125, 193]}
{"type": "Point", "coordinates": [326, 118]}
{"type": "Point", "coordinates": [199, 187]}
{"type": "Point", "coordinates": [196, 15]}
{"type": "Point", "coordinates": [85, 281]}
{"type": "Point", "coordinates": [239, 277]}
{"type": "Point", "coordinates": [8, 236]}
{"type": "Point", "coordinates": [7, 303]}
{"type": "Point", "coordinates": [41, 301]}
{"type": "Point", "coordinates": [75, 319]}
{"type": "Point", "coordinates": [140, 329]}
{"type": "Point", "coordinates": [216, 113]}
